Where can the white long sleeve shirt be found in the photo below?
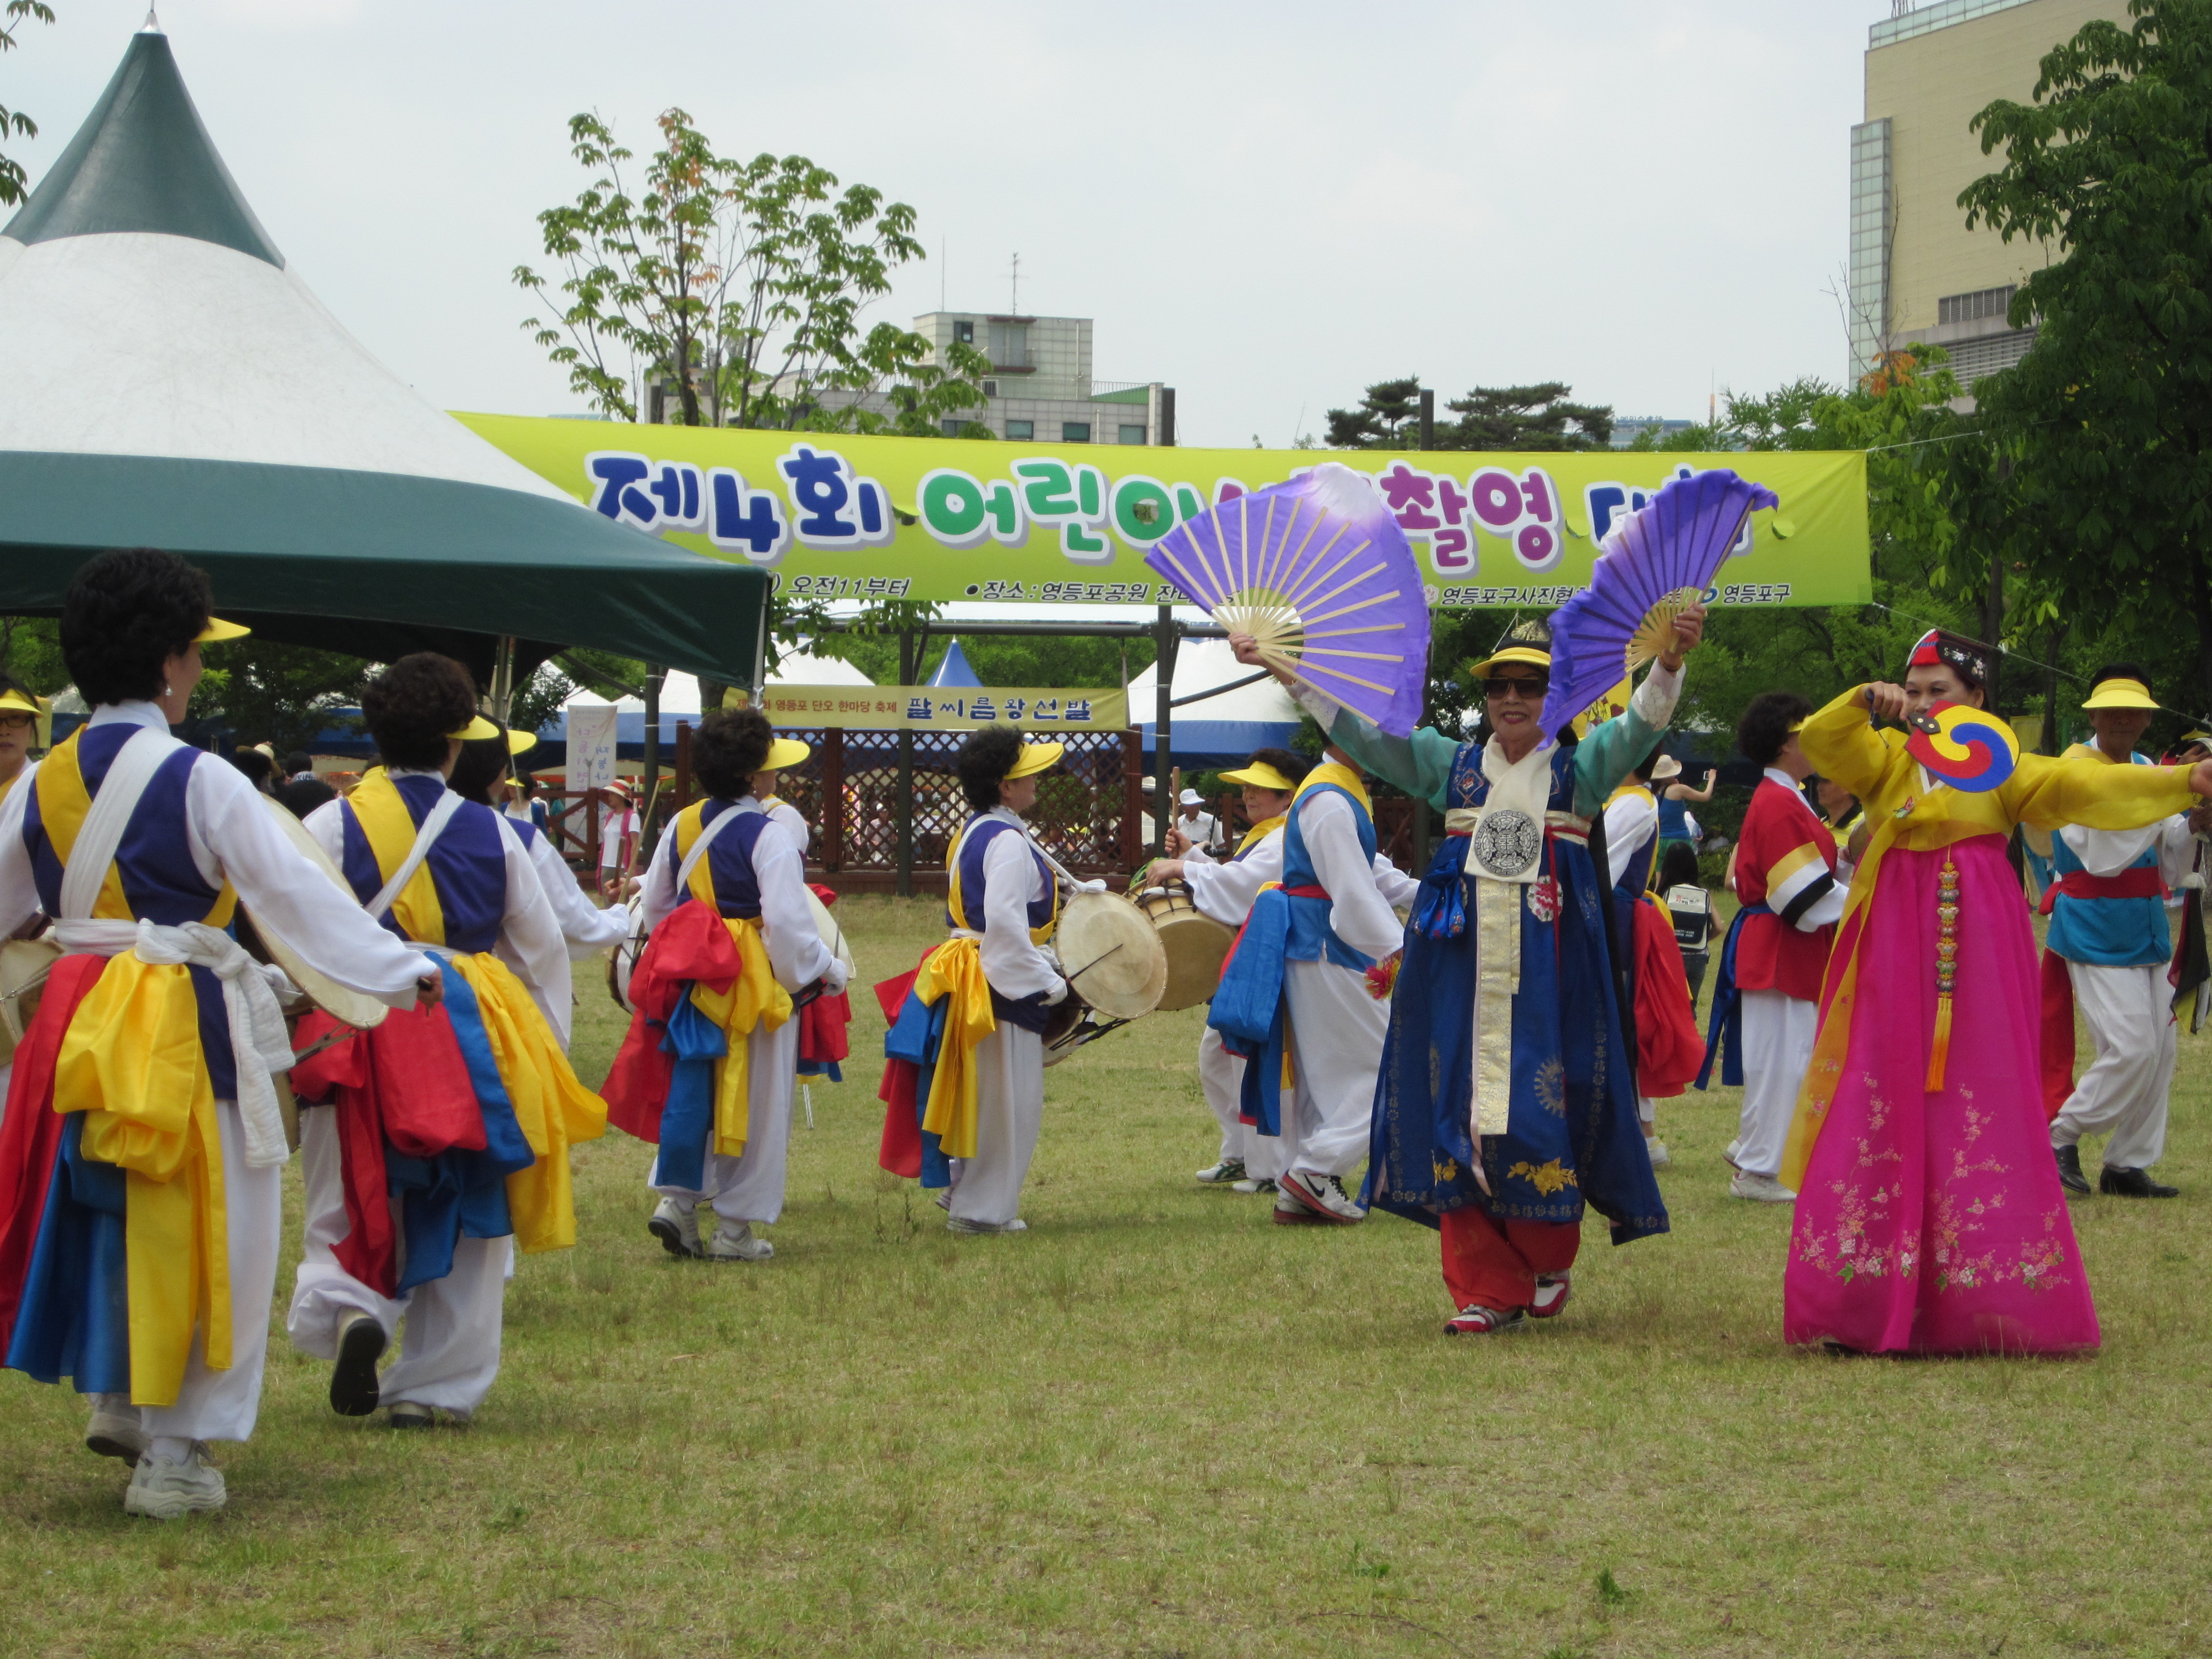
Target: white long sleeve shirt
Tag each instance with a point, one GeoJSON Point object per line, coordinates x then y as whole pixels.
{"type": "Point", "coordinates": [529, 938]}
{"type": "Point", "coordinates": [1225, 891]}
{"type": "Point", "coordinates": [1630, 821]}
{"type": "Point", "coordinates": [232, 837]}
{"type": "Point", "coordinates": [789, 819]}
{"type": "Point", "coordinates": [1359, 913]}
{"type": "Point", "coordinates": [796, 953]}
{"type": "Point", "coordinates": [1012, 881]}
{"type": "Point", "coordinates": [587, 928]}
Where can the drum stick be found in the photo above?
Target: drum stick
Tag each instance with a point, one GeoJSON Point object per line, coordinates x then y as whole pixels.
{"type": "Point", "coordinates": [1096, 960]}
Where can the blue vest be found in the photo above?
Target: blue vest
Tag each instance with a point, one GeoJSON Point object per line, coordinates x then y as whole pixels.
{"type": "Point", "coordinates": [1311, 938]}
{"type": "Point", "coordinates": [974, 844]}
{"type": "Point", "coordinates": [467, 866]}
{"type": "Point", "coordinates": [730, 861]}
{"type": "Point", "coordinates": [2111, 933]}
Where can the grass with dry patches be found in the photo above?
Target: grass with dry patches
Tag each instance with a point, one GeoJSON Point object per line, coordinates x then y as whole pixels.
{"type": "Point", "coordinates": [1156, 1424]}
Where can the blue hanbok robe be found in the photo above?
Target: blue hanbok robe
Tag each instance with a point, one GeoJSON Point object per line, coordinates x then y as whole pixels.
{"type": "Point", "coordinates": [1572, 1136]}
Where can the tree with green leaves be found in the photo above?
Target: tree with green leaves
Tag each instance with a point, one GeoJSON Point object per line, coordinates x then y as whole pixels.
{"type": "Point", "coordinates": [736, 287]}
{"type": "Point", "coordinates": [1380, 421]}
{"type": "Point", "coordinates": [285, 695]}
{"type": "Point", "coordinates": [1527, 417]}
{"type": "Point", "coordinates": [2107, 420]}
{"type": "Point", "coordinates": [13, 124]}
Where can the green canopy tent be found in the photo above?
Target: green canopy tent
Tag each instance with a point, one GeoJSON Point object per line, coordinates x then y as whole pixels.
{"type": "Point", "coordinates": [171, 383]}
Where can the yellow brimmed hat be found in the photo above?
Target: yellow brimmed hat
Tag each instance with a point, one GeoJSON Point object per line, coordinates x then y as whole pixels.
{"type": "Point", "coordinates": [2120, 692]}
{"type": "Point", "coordinates": [2194, 735]}
{"type": "Point", "coordinates": [1527, 641]}
{"type": "Point", "coordinates": [519, 742]}
{"type": "Point", "coordinates": [475, 731]}
{"type": "Point", "coordinates": [15, 703]}
{"type": "Point", "coordinates": [785, 751]}
{"type": "Point", "coordinates": [218, 629]}
{"type": "Point", "coordinates": [1036, 757]}
{"type": "Point", "coordinates": [1260, 776]}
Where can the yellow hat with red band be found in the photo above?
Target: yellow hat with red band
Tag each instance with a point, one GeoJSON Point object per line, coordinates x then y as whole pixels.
{"type": "Point", "coordinates": [785, 751]}
{"type": "Point", "coordinates": [1260, 775]}
{"type": "Point", "coordinates": [1036, 757]}
{"type": "Point", "coordinates": [2120, 692]}
{"type": "Point", "coordinates": [218, 629]}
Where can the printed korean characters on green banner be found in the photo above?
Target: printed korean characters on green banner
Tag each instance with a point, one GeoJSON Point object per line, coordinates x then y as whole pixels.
{"type": "Point", "coordinates": [833, 517]}
{"type": "Point", "coordinates": [1039, 711]}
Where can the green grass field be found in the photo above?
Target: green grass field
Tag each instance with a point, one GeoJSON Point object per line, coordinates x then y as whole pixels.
{"type": "Point", "coordinates": [1156, 1424]}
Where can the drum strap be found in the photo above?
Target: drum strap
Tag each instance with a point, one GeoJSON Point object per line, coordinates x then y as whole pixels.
{"type": "Point", "coordinates": [101, 834]}
{"type": "Point", "coordinates": [699, 850]}
{"type": "Point", "coordinates": [434, 825]}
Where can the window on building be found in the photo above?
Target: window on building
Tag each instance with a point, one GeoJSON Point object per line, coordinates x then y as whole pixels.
{"type": "Point", "coordinates": [1132, 434]}
{"type": "Point", "coordinates": [964, 332]}
{"type": "Point", "coordinates": [1010, 345]}
{"type": "Point", "coordinates": [1972, 307]}
{"type": "Point", "coordinates": [1021, 432]}
{"type": "Point", "coordinates": [1075, 432]}
{"type": "Point", "coordinates": [951, 425]}
{"type": "Point", "coordinates": [990, 388]}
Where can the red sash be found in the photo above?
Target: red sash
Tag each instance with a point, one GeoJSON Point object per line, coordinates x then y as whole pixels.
{"type": "Point", "coordinates": [2143, 881]}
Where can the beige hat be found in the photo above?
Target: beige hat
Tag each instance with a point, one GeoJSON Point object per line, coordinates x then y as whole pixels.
{"type": "Point", "coordinates": [1668, 767]}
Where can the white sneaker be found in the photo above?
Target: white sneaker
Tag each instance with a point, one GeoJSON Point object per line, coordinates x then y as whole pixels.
{"type": "Point", "coordinates": [676, 1225]}
{"type": "Point", "coordinates": [1254, 1184]}
{"type": "Point", "coordinates": [114, 1429]}
{"type": "Point", "coordinates": [1227, 1173]}
{"type": "Point", "coordinates": [1658, 1150]}
{"type": "Point", "coordinates": [165, 1492]}
{"type": "Point", "coordinates": [1321, 1196]}
{"type": "Point", "coordinates": [1735, 1150]}
{"type": "Point", "coordinates": [738, 1244]}
{"type": "Point", "coordinates": [961, 1224]}
{"type": "Point", "coordinates": [1764, 1189]}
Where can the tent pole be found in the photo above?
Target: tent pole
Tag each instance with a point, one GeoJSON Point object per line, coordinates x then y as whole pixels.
{"type": "Point", "coordinates": [903, 807]}
{"type": "Point", "coordinates": [654, 678]}
{"type": "Point", "coordinates": [1163, 745]}
{"type": "Point", "coordinates": [503, 678]}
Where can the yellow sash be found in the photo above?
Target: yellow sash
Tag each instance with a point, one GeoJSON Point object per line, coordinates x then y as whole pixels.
{"type": "Point", "coordinates": [753, 1002]}
{"type": "Point", "coordinates": [956, 908]}
{"type": "Point", "coordinates": [955, 970]}
{"type": "Point", "coordinates": [553, 1108]}
{"type": "Point", "coordinates": [132, 1062]}
{"type": "Point", "coordinates": [1259, 832]}
{"type": "Point", "coordinates": [1344, 777]}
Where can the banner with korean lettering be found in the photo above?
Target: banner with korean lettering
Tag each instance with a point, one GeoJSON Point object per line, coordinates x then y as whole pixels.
{"type": "Point", "coordinates": [835, 517]}
{"type": "Point", "coordinates": [1040, 711]}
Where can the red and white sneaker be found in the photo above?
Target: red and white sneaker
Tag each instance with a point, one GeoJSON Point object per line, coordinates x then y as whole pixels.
{"type": "Point", "coordinates": [1322, 1198]}
{"type": "Point", "coordinates": [1552, 1293]}
{"type": "Point", "coordinates": [1476, 1320]}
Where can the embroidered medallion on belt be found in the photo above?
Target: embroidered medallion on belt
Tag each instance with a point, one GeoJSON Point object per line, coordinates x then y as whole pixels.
{"type": "Point", "coordinates": [1507, 842]}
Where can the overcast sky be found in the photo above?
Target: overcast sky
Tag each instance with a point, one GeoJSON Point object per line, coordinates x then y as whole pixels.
{"type": "Point", "coordinates": [1266, 206]}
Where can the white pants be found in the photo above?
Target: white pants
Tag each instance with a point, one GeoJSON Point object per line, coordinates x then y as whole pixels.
{"type": "Point", "coordinates": [1336, 1051]}
{"type": "Point", "coordinates": [2122, 1095]}
{"type": "Point", "coordinates": [1777, 1046]}
{"type": "Point", "coordinates": [749, 1186]}
{"type": "Point", "coordinates": [1009, 1111]}
{"type": "Point", "coordinates": [213, 1404]}
{"type": "Point", "coordinates": [1222, 1075]}
{"type": "Point", "coordinates": [449, 1349]}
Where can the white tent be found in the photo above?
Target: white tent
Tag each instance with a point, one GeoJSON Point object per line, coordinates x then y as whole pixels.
{"type": "Point", "coordinates": [170, 381]}
{"type": "Point", "coordinates": [679, 697]}
{"type": "Point", "coordinates": [1217, 731]}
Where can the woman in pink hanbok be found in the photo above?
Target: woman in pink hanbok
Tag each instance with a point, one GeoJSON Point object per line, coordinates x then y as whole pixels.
{"type": "Point", "coordinates": [1929, 1218]}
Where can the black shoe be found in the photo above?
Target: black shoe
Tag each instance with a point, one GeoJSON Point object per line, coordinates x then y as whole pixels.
{"type": "Point", "coordinates": [2070, 1170]}
{"type": "Point", "coordinates": [353, 1379]}
{"type": "Point", "coordinates": [2133, 1184]}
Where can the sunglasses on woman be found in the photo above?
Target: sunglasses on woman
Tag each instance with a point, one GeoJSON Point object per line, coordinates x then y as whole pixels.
{"type": "Point", "coordinates": [1501, 686]}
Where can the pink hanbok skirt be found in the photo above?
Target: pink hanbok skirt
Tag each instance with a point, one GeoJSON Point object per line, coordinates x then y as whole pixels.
{"type": "Point", "coordinates": [1933, 1221]}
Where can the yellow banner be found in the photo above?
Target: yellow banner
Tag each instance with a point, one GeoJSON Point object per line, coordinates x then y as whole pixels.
{"type": "Point", "coordinates": [1039, 710]}
{"type": "Point", "coordinates": [836, 517]}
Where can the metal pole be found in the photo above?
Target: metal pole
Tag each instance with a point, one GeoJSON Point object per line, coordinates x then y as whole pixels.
{"type": "Point", "coordinates": [903, 806]}
{"type": "Point", "coordinates": [1428, 418]}
{"type": "Point", "coordinates": [1162, 715]}
{"type": "Point", "coordinates": [502, 697]}
{"type": "Point", "coordinates": [650, 772]}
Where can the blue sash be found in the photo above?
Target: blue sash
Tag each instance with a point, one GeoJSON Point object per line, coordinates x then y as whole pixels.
{"type": "Point", "coordinates": [1724, 1025]}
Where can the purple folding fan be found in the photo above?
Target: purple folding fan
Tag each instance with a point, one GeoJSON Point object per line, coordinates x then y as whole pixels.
{"type": "Point", "coordinates": [1317, 571]}
{"type": "Point", "coordinates": [1654, 564]}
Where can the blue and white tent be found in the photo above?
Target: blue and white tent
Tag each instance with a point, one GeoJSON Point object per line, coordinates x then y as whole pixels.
{"type": "Point", "coordinates": [1215, 730]}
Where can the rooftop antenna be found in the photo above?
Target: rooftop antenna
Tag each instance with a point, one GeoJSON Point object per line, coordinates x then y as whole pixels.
{"type": "Point", "coordinates": [1014, 292]}
{"type": "Point", "coordinates": [152, 24]}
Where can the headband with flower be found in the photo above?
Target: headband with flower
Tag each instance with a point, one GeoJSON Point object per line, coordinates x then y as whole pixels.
{"type": "Point", "coordinates": [1938, 649]}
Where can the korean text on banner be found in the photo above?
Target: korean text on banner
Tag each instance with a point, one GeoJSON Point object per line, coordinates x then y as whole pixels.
{"type": "Point", "coordinates": [591, 746]}
{"type": "Point", "coordinates": [837, 517]}
{"type": "Point", "coordinates": [1043, 710]}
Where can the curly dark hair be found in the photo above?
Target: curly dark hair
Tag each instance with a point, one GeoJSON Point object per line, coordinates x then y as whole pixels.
{"type": "Point", "coordinates": [303, 796]}
{"type": "Point", "coordinates": [983, 763]}
{"type": "Point", "coordinates": [1290, 765]}
{"type": "Point", "coordinates": [729, 747]}
{"type": "Point", "coordinates": [1764, 727]}
{"type": "Point", "coordinates": [258, 767]}
{"type": "Point", "coordinates": [2118, 671]}
{"type": "Point", "coordinates": [127, 612]}
{"type": "Point", "coordinates": [415, 706]}
{"type": "Point", "coordinates": [483, 763]}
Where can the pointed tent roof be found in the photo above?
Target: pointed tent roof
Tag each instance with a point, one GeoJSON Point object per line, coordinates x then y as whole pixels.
{"type": "Point", "coordinates": [172, 383]}
{"type": "Point", "coordinates": [954, 669]}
